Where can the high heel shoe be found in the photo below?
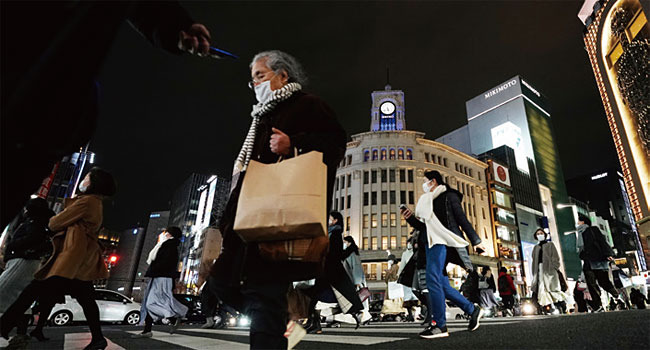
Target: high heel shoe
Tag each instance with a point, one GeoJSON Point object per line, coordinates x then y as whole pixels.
{"type": "Point", "coordinates": [38, 334]}
{"type": "Point", "coordinates": [97, 345]}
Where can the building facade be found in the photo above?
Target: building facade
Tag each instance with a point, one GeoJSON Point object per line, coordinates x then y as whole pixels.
{"type": "Point", "coordinates": [123, 274]}
{"type": "Point", "coordinates": [517, 115]}
{"type": "Point", "coordinates": [617, 40]}
{"type": "Point", "coordinates": [384, 168]}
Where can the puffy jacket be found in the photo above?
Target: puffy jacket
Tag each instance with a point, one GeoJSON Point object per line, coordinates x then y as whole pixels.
{"type": "Point", "coordinates": [510, 290]}
{"type": "Point", "coordinates": [30, 241]}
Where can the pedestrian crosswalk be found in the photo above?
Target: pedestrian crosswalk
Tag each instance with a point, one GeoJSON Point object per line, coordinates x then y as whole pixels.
{"type": "Point", "coordinates": [192, 337]}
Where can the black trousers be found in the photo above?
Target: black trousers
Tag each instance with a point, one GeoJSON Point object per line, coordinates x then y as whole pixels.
{"type": "Point", "coordinates": [602, 276]}
{"type": "Point", "coordinates": [266, 306]}
{"type": "Point", "coordinates": [51, 289]}
{"type": "Point", "coordinates": [508, 301]}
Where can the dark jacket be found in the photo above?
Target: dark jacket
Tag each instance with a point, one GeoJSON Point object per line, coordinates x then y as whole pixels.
{"type": "Point", "coordinates": [311, 125]}
{"type": "Point", "coordinates": [595, 246]}
{"type": "Point", "coordinates": [510, 286]}
{"type": "Point", "coordinates": [166, 262]}
{"type": "Point", "coordinates": [53, 74]}
{"type": "Point", "coordinates": [30, 241]}
{"type": "Point", "coordinates": [449, 211]}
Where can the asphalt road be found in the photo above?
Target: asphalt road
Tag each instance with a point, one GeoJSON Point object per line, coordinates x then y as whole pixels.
{"type": "Point", "coordinates": [610, 330]}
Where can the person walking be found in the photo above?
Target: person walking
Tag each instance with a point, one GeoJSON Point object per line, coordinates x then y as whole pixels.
{"type": "Point", "coordinates": [596, 255]}
{"type": "Point", "coordinates": [28, 244]}
{"type": "Point", "coordinates": [546, 279]}
{"type": "Point", "coordinates": [394, 295]}
{"type": "Point", "coordinates": [507, 290]}
{"type": "Point", "coordinates": [487, 288]}
{"type": "Point", "coordinates": [285, 119]}
{"type": "Point", "coordinates": [439, 214]}
{"type": "Point", "coordinates": [77, 258]}
{"type": "Point", "coordinates": [159, 302]}
{"type": "Point", "coordinates": [334, 285]}
{"type": "Point", "coordinates": [354, 268]}
{"type": "Point", "coordinates": [413, 274]}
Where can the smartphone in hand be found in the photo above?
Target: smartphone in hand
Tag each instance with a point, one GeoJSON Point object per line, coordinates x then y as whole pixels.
{"type": "Point", "coordinates": [403, 206]}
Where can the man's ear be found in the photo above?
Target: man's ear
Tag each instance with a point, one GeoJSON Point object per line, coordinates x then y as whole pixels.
{"type": "Point", "coordinates": [284, 76]}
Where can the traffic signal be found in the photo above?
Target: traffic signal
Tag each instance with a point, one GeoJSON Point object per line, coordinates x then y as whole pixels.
{"type": "Point", "coordinates": [112, 259]}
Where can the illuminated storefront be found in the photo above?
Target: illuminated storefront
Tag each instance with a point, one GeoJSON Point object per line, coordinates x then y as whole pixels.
{"type": "Point", "coordinates": [617, 40]}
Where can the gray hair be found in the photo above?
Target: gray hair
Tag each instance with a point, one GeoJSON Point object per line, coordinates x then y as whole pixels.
{"type": "Point", "coordinates": [277, 61]}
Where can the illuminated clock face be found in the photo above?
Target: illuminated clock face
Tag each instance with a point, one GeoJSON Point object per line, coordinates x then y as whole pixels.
{"type": "Point", "coordinates": [387, 108]}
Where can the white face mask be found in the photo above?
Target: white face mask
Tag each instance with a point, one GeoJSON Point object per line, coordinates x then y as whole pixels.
{"type": "Point", "coordinates": [345, 245]}
{"type": "Point", "coordinates": [263, 92]}
{"type": "Point", "coordinates": [541, 238]}
{"type": "Point", "coordinates": [82, 187]}
{"type": "Point", "coordinates": [426, 187]}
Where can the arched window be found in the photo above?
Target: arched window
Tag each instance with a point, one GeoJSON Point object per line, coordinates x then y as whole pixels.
{"type": "Point", "coordinates": [400, 154]}
{"type": "Point", "coordinates": [409, 154]}
{"type": "Point", "coordinates": [392, 154]}
{"type": "Point", "coordinates": [383, 154]}
{"type": "Point", "coordinates": [366, 155]}
{"type": "Point", "coordinates": [375, 154]}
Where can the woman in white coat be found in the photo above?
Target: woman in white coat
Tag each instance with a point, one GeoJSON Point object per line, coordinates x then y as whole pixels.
{"type": "Point", "coordinates": [546, 280]}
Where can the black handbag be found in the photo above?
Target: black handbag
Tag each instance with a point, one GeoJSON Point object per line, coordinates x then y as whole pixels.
{"type": "Point", "coordinates": [563, 285]}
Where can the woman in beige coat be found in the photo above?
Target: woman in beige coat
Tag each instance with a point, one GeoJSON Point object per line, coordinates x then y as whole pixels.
{"type": "Point", "coordinates": [546, 279]}
{"type": "Point", "coordinates": [77, 258]}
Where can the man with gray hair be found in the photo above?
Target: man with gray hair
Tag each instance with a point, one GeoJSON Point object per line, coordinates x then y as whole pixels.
{"type": "Point", "coordinates": [285, 118]}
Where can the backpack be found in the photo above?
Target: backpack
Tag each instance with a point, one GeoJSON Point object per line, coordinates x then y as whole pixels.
{"type": "Point", "coordinates": [503, 284]}
{"type": "Point", "coordinates": [483, 283]}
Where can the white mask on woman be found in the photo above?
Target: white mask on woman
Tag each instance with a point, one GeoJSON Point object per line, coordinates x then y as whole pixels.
{"type": "Point", "coordinates": [82, 187]}
{"type": "Point", "coordinates": [426, 187]}
{"type": "Point", "coordinates": [263, 92]}
{"type": "Point", "coordinates": [541, 237]}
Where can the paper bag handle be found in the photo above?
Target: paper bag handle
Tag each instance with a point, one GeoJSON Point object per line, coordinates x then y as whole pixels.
{"type": "Point", "coordinates": [295, 154]}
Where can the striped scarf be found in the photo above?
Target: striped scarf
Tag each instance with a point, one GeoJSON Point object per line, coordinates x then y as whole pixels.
{"type": "Point", "coordinates": [259, 110]}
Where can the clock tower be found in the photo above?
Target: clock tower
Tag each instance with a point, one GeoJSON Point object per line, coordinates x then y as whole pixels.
{"type": "Point", "coordinates": [387, 111]}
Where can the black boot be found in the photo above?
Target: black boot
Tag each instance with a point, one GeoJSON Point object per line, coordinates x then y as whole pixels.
{"type": "Point", "coordinates": [314, 326]}
{"type": "Point", "coordinates": [99, 344]}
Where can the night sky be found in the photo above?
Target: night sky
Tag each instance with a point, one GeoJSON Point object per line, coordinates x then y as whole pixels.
{"type": "Point", "coordinates": [165, 116]}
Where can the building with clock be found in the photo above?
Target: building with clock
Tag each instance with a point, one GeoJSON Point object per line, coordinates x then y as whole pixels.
{"type": "Point", "coordinates": [384, 168]}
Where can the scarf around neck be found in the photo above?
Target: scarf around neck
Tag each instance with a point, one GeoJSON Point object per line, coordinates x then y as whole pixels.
{"type": "Point", "coordinates": [580, 243]}
{"type": "Point", "coordinates": [437, 233]}
{"type": "Point", "coordinates": [259, 110]}
{"type": "Point", "coordinates": [154, 252]}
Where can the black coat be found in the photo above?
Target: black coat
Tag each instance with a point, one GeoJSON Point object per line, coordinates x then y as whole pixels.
{"type": "Point", "coordinates": [48, 81]}
{"type": "Point", "coordinates": [311, 125]}
{"type": "Point", "coordinates": [449, 211]}
{"type": "Point", "coordinates": [595, 246]}
{"type": "Point", "coordinates": [29, 241]}
{"type": "Point", "coordinates": [166, 262]}
{"type": "Point", "coordinates": [334, 273]}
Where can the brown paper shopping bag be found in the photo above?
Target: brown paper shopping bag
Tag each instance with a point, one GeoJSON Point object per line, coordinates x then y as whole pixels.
{"type": "Point", "coordinates": [283, 201]}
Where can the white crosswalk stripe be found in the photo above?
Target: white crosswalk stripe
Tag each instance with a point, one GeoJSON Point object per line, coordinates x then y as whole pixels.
{"type": "Point", "coordinates": [194, 342]}
{"type": "Point", "coordinates": [323, 338]}
{"type": "Point", "coordinates": [75, 341]}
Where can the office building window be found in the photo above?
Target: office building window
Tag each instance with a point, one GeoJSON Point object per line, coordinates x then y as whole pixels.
{"type": "Point", "coordinates": [402, 197]}
{"type": "Point", "coordinates": [471, 172]}
{"type": "Point", "coordinates": [366, 156]}
{"type": "Point", "coordinates": [365, 199]}
{"type": "Point", "coordinates": [384, 197]}
{"type": "Point", "coordinates": [402, 221]}
{"type": "Point", "coordinates": [384, 175]}
{"type": "Point", "coordinates": [410, 175]}
{"type": "Point", "coordinates": [384, 220]}
{"type": "Point", "coordinates": [374, 246]}
{"type": "Point", "coordinates": [483, 212]}
{"type": "Point", "coordinates": [479, 175]}
{"type": "Point", "coordinates": [365, 243]}
{"type": "Point", "coordinates": [373, 196]}
{"type": "Point", "coordinates": [393, 241]}
{"type": "Point", "coordinates": [402, 175]}
{"type": "Point", "coordinates": [336, 203]}
{"type": "Point", "coordinates": [392, 197]}
{"type": "Point", "coordinates": [349, 180]}
{"type": "Point", "coordinates": [336, 184]}
{"type": "Point", "coordinates": [426, 157]}
{"type": "Point", "coordinates": [343, 182]}
{"type": "Point", "coordinates": [373, 220]}
{"type": "Point", "coordinates": [365, 177]}
{"type": "Point", "coordinates": [375, 154]}
{"type": "Point", "coordinates": [349, 159]}
{"type": "Point", "coordinates": [393, 220]}
{"type": "Point", "coordinates": [365, 221]}
{"type": "Point", "coordinates": [342, 203]}
{"type": "Point", "coordinates": [400, 154]}
{"type": "Point", "coordinates": [411, 197]}
{"type": "Point", "coordinates": [472, 189]}
{"type": "Point", "coordinates": [347, 224]}
{"type": "Point", "coordinates": [348, 203]}
{"type": "Point", "coordinates": [456, 166]}
{"type": "Point", "coordinates": [391, 175]}
{"type": "Point", "coordinates": [409, 154]}
{"type": "Point", "coordinates": [383, 154]}
{"type": "Point", "coordinates": [384, 243]}
{"type": "Point", "coordinates": [392, 154]}
{"type": "Point", "coordinates": [403, 242]}
{"type": "Point", "coordinates": [444, 161]}
{"type": "Point", "coordinates": [373, 176]}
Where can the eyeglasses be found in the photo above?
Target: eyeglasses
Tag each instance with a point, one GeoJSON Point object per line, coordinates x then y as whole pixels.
{"type": "Point", "coordinates": [252, 83]}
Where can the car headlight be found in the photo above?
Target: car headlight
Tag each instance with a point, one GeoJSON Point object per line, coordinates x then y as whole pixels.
{"type": "Point", "coordinates": [528, 309]}
{"type": "Point", "coordinates": [244, 321]}
{"type": "Point", "coordinates": [232, 321]}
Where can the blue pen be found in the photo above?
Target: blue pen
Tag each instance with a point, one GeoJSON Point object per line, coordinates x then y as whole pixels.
{"type": "Point", "coordinates": [218, 53]}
